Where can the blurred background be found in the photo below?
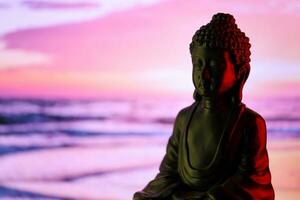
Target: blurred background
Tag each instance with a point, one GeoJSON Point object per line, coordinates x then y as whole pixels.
{"type": "Point", "coordinates": [89, 90]}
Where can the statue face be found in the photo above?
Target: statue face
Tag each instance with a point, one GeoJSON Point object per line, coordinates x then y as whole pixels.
{"type": "Point", "coordinates": [213, 71]}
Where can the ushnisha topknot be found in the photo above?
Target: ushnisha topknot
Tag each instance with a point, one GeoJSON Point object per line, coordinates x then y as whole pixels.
{"type": "Point", "coordinates": [222, 32]}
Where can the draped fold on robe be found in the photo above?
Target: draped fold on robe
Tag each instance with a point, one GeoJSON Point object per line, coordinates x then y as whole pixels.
{"type": "Point", "coordinates": [240, 170]}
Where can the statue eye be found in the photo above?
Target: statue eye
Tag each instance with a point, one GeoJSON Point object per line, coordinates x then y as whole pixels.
{"type": "Point", "coordinates": [196, 69]}
{"type": "Point", "coordinates": [213, 63]}
{"type": "Point", "coordinates": [198, 64]}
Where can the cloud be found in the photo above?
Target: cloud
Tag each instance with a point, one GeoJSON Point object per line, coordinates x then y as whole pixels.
{"type": "Point", "coordinates": [3, 6]}
{"type": "Point", "coordinates": [254, 6]}
{"type": "Point", "coordinates": [175, 79]}
{"type": "Point", "coordinates": [33, 4]}
{"type": "Point", "coordinates": [20, 14]}
{"type": "Point", "coordinates": [14, 58]}
{"type": "Point", "coordinates": [272, 70]}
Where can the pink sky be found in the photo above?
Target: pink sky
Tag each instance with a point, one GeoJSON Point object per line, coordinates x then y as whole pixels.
{"type": "Point", "coordinates": [95, 49]}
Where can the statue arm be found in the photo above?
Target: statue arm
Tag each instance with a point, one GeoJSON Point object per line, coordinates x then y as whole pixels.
{"type": "Point", "coordinates": [163, 185]}
{"type": "Point", "coordinates": [252, 180]}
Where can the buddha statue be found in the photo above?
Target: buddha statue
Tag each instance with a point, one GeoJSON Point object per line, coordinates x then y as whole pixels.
{"type": "Point", "coordinates": [218, 146]}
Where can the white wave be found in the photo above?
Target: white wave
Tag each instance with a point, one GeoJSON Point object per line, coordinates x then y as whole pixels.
{"type": "Point", "coordinates": [75, 162]}
{"type": "Point", "coordinates": [91, 126]}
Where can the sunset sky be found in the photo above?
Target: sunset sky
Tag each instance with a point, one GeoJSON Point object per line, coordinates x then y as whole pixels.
{"type": "Point", "coordinates": [95, 48]}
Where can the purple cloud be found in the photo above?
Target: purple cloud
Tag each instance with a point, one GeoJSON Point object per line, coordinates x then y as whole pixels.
{"type": "Point", "coordinates": [57, 5]}
{"type": "Point", "coordinates": [3, 5]}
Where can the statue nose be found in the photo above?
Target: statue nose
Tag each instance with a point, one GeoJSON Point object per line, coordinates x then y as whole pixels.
{"type": "Point", "coordinates": [205, 74]}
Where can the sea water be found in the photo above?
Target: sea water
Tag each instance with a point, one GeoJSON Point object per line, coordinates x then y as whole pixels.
{"type": "Point", "coordinates": [99, 149]}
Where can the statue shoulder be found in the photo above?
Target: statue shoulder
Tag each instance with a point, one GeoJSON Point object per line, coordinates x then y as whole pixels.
{"type": "Point", "coordinates": [255, 126]}
{"type": "Point", "coordinates": [182, 116]}
{"type": "Point", "coordinates": [253, 117]}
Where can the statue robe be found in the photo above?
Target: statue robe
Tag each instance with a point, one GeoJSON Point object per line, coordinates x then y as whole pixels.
{"type": "Point", "coordinates": [239, 169]}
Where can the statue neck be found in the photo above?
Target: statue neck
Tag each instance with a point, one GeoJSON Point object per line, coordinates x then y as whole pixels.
{"type": "Point", "coordinates": [219, 104]}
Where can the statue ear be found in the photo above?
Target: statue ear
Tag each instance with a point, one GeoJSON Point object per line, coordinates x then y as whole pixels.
{"type": "Point", "coordinates": [242, 76]}
{"type": "Point", "coordinates": [243, 73]}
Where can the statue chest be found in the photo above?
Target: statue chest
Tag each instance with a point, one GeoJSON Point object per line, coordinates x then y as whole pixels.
{"type": "Point", "coordinates": [203, 137]}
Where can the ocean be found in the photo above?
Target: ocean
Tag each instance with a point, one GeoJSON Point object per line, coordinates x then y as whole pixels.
{"type": "Point", "coordinates": [100, 149]}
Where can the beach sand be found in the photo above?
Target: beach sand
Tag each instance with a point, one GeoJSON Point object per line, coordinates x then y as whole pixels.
{"type": "Point", "coordinates": [284, 157]}
{"type": "Point", "coordinates": [116, 172]}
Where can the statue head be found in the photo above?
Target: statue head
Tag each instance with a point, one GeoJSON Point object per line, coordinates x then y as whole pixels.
{"type": "Point", "coordinates": [221, 53]}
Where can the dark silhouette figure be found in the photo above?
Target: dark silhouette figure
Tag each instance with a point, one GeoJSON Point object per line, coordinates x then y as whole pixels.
{"type": "Point", "coordinates": [218, 146]}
